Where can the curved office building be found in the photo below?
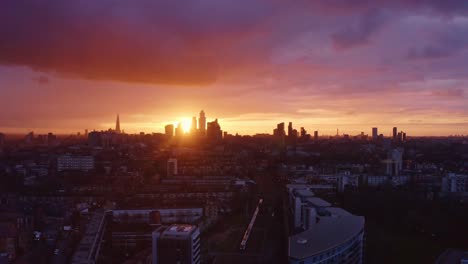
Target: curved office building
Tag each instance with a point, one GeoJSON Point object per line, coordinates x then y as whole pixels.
{"type": "Point", "coordinates": [326, 234]}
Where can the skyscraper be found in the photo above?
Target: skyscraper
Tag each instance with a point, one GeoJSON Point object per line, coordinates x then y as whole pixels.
{"type": "Point", "coordinates": [375, 134]}
{"type": "Point", "coordinates": [303, 132]}
{"type": "Point", "coordinates": [316, 135]}
{"type": "Point", "coordinates": [395, 133]}
{"type": "Point", "coordinates": [117, 124]}
{"type": "Point", "coordinates": [290, 129]}
{"type": "Point", "coordinates": [213, 131]}
{"type": "Point", "coordinates": [169, 130]}
{"type": "Point", "coordinates": [179, 131]}
{"type": "Point", "coordinates": [202, 123]}
{"type": "Point", "coordinates": [193, 127]}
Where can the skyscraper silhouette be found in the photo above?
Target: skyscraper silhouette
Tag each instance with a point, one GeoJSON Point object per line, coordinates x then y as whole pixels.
{"type": "Point", "coordinates": [117, 124]}
{"type": "Point", "coordinates": [202, 123]}
{"type": "Point", "coordinates": [193, 126]}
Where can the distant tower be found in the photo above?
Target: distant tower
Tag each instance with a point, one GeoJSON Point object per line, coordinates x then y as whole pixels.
{"type": "Point", "coordinates": [375, 133]}
{"type": "Point", "coordinates": [395, 133]}
{"type": "Point", "coordinates": [290, 129]}
{"type": "Point", "coordinates": [202, 123]}
{"type": "Point", "coordinates": [117, 124]}
{"type": "Point", "coordinates": [193, 127]}
{"type": "Point", "coordinates": [169, 129]}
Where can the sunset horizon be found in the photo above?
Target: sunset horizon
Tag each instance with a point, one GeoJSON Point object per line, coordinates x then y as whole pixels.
{"type": "Point", "coordinates": [231, 131]}
{"type": "Point", "coordinates": [322, 65]}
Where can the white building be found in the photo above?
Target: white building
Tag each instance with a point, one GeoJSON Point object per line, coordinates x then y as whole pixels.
{"type": "Point", "coordinates": [176, 244]}
{"type": "Point", "coordinates": [71, 162]}
{"type": "Point", "coordinates": [337, 238]}
{"type": "Point", "coordinates": [330, 234]}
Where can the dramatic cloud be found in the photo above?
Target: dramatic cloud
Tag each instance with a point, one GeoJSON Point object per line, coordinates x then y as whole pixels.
{"type": "Point", "coordinates": [327, 63]}
{"type": "Point", "coordinates": [360, 32]}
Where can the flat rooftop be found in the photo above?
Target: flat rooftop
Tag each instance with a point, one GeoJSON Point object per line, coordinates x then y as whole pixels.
{"type": "Point", "coordinates": [328, 233]}
{"type": "Point", "coordinates": [319, 202]}
{"type": "Point", "coordinates": [178, 231]}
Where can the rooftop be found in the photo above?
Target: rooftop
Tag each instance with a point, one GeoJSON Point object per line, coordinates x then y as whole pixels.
{"type": "Point", "coordinates": [328, 233]}
{"type": "Point", "coordinates": [318, 202]}
{"type": "Point", "coordinates": [179, 231]}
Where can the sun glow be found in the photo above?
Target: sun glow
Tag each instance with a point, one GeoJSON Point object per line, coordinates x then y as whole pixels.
{"type": "Point", "coordinates": [186, 124]}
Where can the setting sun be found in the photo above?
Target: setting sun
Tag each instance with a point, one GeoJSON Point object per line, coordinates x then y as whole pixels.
{"type": "Point", "coordinates": [186, 124]}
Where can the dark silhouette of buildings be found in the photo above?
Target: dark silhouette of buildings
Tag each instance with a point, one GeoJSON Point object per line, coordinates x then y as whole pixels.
{"type": "Point", "coordinates": [193, 126]}
{"type": "Point", "coordinates": [213, 131]}
{"type": "Point", "coordinates": [202, 123]}
{"type": "Point", "coordinates": [375, 134]}
{"type": "Point", "coordinates": [169, 129]}
{"type": "Point", "coordinates": [117, 125]}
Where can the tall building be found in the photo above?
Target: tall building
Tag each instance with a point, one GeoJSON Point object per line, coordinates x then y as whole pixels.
{"type": "Point", "coordinates": [213, 130]}
{"type": "Point", "coordinates": [394, 162]}
{"type": "Point", "coordinates": [193, 126]}
{"type": "Point", "coordinates": [279, 133]}
{"type": "Point", "coordinates": [375, 134]}
{"type": "Point", "coordinates": [117, 124]}
{"type": "Point", "coordinates": [178, 243]}
{"type": "Point", "coordinates": [303, 132]}
{"type": "Point", "coordinates": [202, 123]}
{"type": "Point", "coordinates": [316, 135]}
{"type": "Point", "coordinates": [290, 129]}
{"type": "Point", "coordinates": [179, 131]}
{"type": "Point", "coordinates": [169, 129]}
{"type": "Point", "coordinates": [395, 133]}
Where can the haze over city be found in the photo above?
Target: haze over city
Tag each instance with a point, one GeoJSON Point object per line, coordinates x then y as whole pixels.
{"type": "Point", "coordinates": [324, 65]}
{"type": "Point", "coordinates": [233, 131]}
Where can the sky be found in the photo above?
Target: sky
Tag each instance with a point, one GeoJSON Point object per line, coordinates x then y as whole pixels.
{"type": "Point", "coordinates": [351, 65]}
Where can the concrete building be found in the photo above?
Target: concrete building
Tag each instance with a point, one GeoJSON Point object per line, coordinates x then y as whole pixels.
{"type": "Point", "coordinates": [454, 183]}
{"type": "Point", "coordinates": [71, 162]}
{"type": "Point", "coordinates": [394, 162]}
{"type": "Point", "coordinates": [337, 238]}
{"type": "Point", "coordinates": [165, 215]}
{"type": "Point", "coordinates": [176, 244]}
{"type": "Point", "coordinates": [322, 233]}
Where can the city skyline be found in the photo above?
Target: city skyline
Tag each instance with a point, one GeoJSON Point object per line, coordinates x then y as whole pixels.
{"type": "Point", "coordinates": [186, 126]}
{"type": "Point", "coordinates": [322, 64]}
